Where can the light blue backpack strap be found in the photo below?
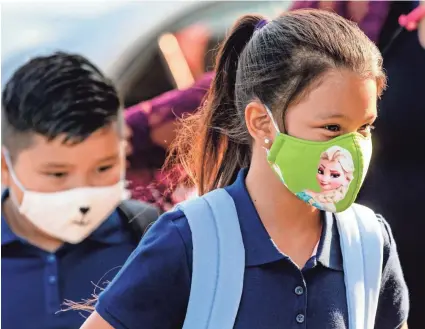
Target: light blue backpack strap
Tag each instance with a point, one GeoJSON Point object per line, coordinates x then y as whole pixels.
{"type": "Point", "coordinates": [373, 257]}
{"type": "Point", "coordinates": [361, 242]}
{"type": "Point", "coordinates": [218, 261]}
{"type": "Point", "coordinates": [352, 258]}
{"type": "Point", "coordinates": [205, 262]}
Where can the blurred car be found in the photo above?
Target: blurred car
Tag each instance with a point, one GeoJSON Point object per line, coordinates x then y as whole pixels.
{"type": "Point", "coordinates": [125, 39]}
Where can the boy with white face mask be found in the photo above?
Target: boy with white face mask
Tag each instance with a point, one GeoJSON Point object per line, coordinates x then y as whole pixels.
{"type": "Point", "coordinates": [63, 163]}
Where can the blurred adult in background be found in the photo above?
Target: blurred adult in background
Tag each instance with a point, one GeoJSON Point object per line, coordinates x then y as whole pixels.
{"type": "Point", "coordinates": [153, 124]}
{"type": "Point", "coordinates": [397, 186]}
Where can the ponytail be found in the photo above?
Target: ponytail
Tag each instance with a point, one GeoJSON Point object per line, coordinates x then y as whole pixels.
{"type": "Point", "coordinates": [213, 144]}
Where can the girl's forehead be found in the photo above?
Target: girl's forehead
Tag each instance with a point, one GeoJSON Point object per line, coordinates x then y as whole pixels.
{"type": "Point", "coordinates": [340, 95]}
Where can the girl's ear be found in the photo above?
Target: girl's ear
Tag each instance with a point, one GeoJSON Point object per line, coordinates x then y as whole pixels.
{"type": "Point", "coordinates": [259, 124]}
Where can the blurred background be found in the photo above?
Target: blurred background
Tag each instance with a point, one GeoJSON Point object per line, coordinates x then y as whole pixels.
{"type": "Point", "coordinates": [147, 48]}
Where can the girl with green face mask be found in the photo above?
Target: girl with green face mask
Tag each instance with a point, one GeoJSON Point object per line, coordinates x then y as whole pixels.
{"type": "Point", "coordinates": [286, 131]}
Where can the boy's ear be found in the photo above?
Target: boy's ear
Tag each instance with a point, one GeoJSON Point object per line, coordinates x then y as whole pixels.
{"type": "Point", "coordinates": [5, 175]}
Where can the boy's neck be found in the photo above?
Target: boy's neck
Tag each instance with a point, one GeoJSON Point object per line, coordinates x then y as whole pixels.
{"type": "Point", "coordinates": [23, 228]}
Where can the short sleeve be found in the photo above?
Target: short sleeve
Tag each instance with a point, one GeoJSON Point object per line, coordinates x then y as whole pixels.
{"type": "Point", "coordinates": [152, 289]}
{"type": "Point", "coordinates": [393, 306]}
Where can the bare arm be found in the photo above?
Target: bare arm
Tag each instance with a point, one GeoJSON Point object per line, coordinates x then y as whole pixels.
{"type": "Point", "coordinates": [404, 326]}
{"type": "Point", "coordinates": [95, 321]}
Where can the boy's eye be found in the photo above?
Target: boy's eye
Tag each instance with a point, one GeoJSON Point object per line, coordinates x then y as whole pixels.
{"type": "Point", "coordinates": [332, 128]}
{"type": "Point", "coordinates": [104, 168]}
{"type": "Point", "coordinates": [57, 174]}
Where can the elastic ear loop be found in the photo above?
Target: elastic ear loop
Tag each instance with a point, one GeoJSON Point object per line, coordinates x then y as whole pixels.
{"type": "Point", "coordinates": [273, 120]}
{"type": "Point", "coordinates": [8, 161]}
{"type": "Point", "coordinates": [11, 171]}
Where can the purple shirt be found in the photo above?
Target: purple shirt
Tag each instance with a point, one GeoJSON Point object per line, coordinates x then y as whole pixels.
{"type": "Point", "coordinates": [371, 23]}
{"type": "Point", "coordinates": [160, 110]}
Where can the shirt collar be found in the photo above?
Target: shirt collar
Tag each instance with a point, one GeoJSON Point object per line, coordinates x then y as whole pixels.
{"type": "Point", "coordinates": [7, 235]}
{"type": "Point", "coordinates": [111, 231]}
{"type": "Point", "coordinates": [329, 250]}
{"type": "Point", "coordinates": [259, 247]}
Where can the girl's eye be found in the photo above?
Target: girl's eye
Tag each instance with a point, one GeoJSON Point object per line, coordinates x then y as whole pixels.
{"type": "Point", "coordinates": [335, 175]}
{"type": "Point", "coordinates": [367, 128]}
{"type": "Point", "coordinates": [332, 128]}
{"type": "Point", "coordinates": [104, 168]}
{"type": "Point", "coordinates": [320, 171]}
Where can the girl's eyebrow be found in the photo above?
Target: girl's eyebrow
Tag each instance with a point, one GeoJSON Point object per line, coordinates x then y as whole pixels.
{"type": "Point", "coordinates": [336, 115]}
{"type": "Point", "coordinates": [327, 116]}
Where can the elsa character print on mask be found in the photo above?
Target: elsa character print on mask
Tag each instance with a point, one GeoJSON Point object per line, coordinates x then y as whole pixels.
{"type": "Point", "coordinates": [334, 175]}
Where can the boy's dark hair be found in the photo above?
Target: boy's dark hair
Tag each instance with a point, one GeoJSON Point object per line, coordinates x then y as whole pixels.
{"type": "Point", "coordinates": [276, 64]}
{"type": "Point", "coordinates": [58, 95]}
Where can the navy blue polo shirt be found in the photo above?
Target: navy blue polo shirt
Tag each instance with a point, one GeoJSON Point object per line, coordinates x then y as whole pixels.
{"type": "Point", "coordinates": [152, 289]}
{"type": "Point", "coordinates": [35, 283]}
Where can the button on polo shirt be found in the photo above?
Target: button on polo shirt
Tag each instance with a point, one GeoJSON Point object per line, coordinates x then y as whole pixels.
{"type": "Point", "coordinates": [154, 285]}
{"type": "Point", "coordinates": [299, 290]}
{"type": "Point", "coordinates": [300, 318]}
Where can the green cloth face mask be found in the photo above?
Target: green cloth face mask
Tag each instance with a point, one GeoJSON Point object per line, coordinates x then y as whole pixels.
{"type": "Point", "coordinates": [327, 175]}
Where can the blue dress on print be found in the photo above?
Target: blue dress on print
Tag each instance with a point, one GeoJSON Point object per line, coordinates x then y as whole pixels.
{"type": "Point", "coordinates": [306, 198]}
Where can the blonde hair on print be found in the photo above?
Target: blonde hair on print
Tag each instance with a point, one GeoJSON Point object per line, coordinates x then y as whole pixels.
{"type": "Point", "coordinates": [344, 158]}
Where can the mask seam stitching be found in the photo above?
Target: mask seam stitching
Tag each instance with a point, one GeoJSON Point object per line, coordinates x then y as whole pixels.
{"type": "Point", "coordinates": [360, 166]}
{"type": "Point", "coordinates": [329, 142]}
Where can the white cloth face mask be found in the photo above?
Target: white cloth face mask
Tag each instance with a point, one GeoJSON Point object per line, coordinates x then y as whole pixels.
{"type": "Point", "coordinates": [70, 215]}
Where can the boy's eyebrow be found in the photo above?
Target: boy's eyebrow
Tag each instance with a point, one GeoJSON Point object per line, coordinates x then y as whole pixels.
{"type": "Point", "coordinates": [56, 165]}
{"type": "Point", "coordinates": [109, 158]}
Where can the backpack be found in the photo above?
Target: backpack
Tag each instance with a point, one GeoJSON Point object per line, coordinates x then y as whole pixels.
{"type": "Point", "coordinates": [140, 216]}
{"type": "Point", "coordinates": [217, 277]}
